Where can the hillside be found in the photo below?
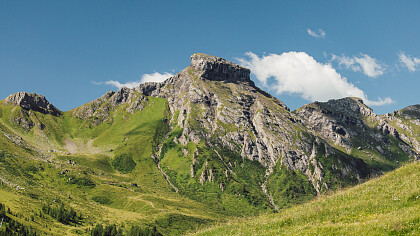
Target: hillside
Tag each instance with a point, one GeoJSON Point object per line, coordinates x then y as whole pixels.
{"type": "Point", "coordinates": [389, 204]}
{"type": "Point", "coordinates": [201, 147]}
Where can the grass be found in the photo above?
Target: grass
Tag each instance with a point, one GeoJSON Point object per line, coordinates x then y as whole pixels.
{"type": "Point", "coordinates": [122, 186]}
{"type": "Point", "coordinates": [289, 187]}
{"type": "Point", "coordinates": [101, 167]}
{"type": "Point", "coordinates": [389, 204]}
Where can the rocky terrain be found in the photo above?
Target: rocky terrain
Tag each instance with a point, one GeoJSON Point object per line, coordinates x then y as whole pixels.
{"type": "Point", "coordinates": [211, 136]}
{"type": "Point", "coordinates": [32, 101]}
{"type": "Point", "coordinates": [220, 105]}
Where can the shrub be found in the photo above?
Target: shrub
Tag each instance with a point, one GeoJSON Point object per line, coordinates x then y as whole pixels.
{"type": "Point", "coordinates": [124, 163]}
{"type": "Point", "coordinates": [82, 182]}
{"type": "Point", "coordinates": [62, 214]}
{"type": "Point", "coordinates": [102, 200]}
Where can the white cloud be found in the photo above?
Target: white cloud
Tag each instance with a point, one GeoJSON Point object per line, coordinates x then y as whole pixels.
{"type": "Point", "coordinates": [298, 73]}
{"type": "Point", "coordinates": [155, 77]}
{"type": "Point", "coordinates": [365, 63]}
{"type": "Point", "coordinates": [380, 102]}
{"type": "Point", "coordinates": [320, 33]}
{"type": "Point", "coordinates": [409, 61]}
{"type": "Point", "coordinates": [117, 84]}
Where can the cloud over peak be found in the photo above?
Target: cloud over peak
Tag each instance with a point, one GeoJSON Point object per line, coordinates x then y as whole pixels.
{"type": "Point", "coordinates": [300, 74]}
{"type": "Point", "coordinates": [320, 33]}
{"type": "Point", "coordinates": [368, 65]}
{"type": "Point", "coordinates": [155, 77]}
{"type": "Point", "coordinates": [408, 61]}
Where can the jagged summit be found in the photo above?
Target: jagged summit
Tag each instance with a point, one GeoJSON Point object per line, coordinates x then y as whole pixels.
{"type": "Point", "coordinates": [32, 101]}
{"type": "Point", "coordinates": [351, 105]}
{"type": "Point", "coordinates": [412, 111]}
{"type": "Point", "coordinates": [207, 135]}
{"type": "Point", "coordinates": [219, 69]}
{"type": "Point", "coordinates": [100, 108]}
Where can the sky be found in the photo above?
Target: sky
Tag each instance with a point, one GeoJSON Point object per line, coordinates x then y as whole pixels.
{"type": "Point", "coordinates": [299, 51]}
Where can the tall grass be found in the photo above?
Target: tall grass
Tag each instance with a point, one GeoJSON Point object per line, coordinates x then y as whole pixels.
{"type": "Point", "coordinates": [386, 205]}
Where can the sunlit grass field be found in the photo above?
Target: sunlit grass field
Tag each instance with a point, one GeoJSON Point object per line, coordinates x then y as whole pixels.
{"type": "Point", "coordinates": [388, 205]}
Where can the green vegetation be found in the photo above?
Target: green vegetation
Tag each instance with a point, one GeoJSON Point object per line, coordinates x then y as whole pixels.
{"type": "Point", "coordinates": [333, 164]}
{"type": "Point", "coordinates": [101, 170]}
{"type": "Point", "coordinates": [99, 165]}
{"type": "Point", "coordinates": [109, 230]}
{"type": "Point", "coordinates": [104, 200]}
{"type": "Point", "coordinates": [124, 163]}
{"type": "Point", "coordinates": [112, 230]}
{"type": "Point", "coordinates": [81, 182]}
{"type": "Point", "coordinates": [62, 214]}
{"type": "Point", "coordinates": [227, 184]}
{"type": "Point", "coordinates": [386, 205]}
{"type": "Point", "coordinates": [10, 226]}
{"type": "Point", "coordinates": [289, 187]}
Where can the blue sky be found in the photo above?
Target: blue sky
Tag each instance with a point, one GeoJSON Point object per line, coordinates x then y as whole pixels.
{"type": "Point", "coordinates": [69, 51]}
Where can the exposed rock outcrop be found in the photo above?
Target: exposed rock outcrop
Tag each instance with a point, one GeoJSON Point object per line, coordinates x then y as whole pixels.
{"type": "Point", "coordinates": [219, 69]}
{"type": "Point", "coordinates": [216, 102]}
{"type": "Point", "coordinates": [32, 101]}
{"type": "Point", "coordinates": [100, 108]}
{"type": "Point", "coordinates": [405, 122]}
{"type": "Point", "coordinates": [350, 124]}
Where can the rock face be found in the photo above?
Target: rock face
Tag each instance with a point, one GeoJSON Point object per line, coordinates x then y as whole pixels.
{"type": "Point", "coordinates": [214, 101]}
{"type": "Point", "coordinates": [350, 124]}
{"type": "Point", "coordinates": [406, 122]}
{"type": "Point", "coordinates": [32, 101]}
{"type": "Point", "coordinates": [100, 108]}
{"type": "Point", "coordinates": [219, 69]}
{"type": "Point", "coordinates": [337, 120]}
{"type": "Point", "coordinates": [218, 100]}
{"type": "Point", "coordinates": [223, 122]}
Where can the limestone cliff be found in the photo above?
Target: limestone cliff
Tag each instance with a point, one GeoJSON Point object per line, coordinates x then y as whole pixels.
{"type": "Point", "coordinates": [214, 100]}
{"type": "Point", "coordinates": [230, 134]}
{"type": "Point", "coordinates": [407, 122]}
{"type": "Point", "coordinates": [349, 124]}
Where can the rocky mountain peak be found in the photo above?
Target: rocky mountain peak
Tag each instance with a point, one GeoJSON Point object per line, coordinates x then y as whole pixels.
{"type": "Point", "coordinates": [350, 106]}
{"type": "Point", "coordinates": [219, 69]}
{"type": "Point", "coordinates": [411, 112]}
{"type": "Point", "coordinates": [32, 101]}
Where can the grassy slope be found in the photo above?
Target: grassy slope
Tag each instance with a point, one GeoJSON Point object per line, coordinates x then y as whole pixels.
{"type": "Point", "coordinates": [112, 198]}
{"type": "Point", "coordinates": [386, 205]}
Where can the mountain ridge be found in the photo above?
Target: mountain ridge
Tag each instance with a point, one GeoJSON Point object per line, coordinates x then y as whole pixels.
{"type": "Point", "coordinates": [209, 135]}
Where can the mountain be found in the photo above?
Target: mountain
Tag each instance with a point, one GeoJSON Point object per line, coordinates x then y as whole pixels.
{"type": "Point", "coordinates": [354, 128]}
{"type": "Point", "coordinates": [198, 148]}
{"type": "Point", "coordinates": [406, 122]}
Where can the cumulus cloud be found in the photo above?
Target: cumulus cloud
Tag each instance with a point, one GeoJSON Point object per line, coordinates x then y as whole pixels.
{"type": "Point", "coordinates": [380, 102]}
{"type": "Point", "coordinates": [370, 66]}
{"type": "Point", "coordinates": [155, 77]}
{"type": "Point", "coordinates": [409, 61]}
{"type": "Point", "coordinates": [300, 74]}
{"type": "Point", "coordinates": [320, 33]}
{"type": "Point", "coordinates": [117, 84]}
